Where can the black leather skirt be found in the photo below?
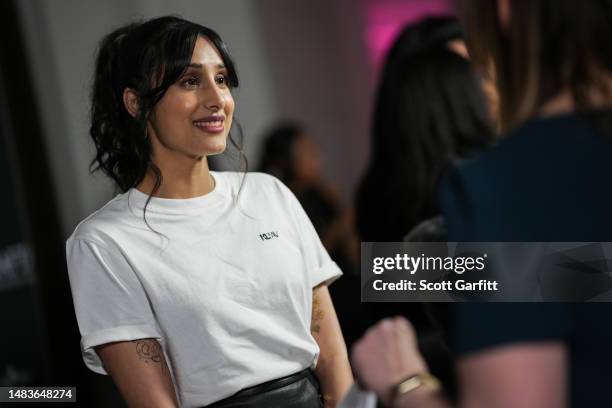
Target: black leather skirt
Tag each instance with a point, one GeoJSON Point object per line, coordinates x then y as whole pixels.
{"type": "Point", "coordinates": [300, 390]}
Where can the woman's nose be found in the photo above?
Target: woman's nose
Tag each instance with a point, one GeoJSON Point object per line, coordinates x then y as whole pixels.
{"type": "Point", "coordinates": [213, 97]}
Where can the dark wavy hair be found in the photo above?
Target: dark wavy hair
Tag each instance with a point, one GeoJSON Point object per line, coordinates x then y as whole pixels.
{"type": "Point", "coordinates": [148, 57]}
{"type": "Point", "coordinates": [430, 111]}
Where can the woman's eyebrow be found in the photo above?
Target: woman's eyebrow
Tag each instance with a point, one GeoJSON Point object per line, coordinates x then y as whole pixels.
{"type": "Point", "coordinates": [199, 66]}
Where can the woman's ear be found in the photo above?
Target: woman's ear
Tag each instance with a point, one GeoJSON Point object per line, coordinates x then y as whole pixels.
{"type": "Point", "coordinates": [503, 13]}
{"type": "Point", "coordinates": [130, 101]}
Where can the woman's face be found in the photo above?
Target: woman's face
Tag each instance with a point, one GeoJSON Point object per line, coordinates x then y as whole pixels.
{"type": "Point", "coordinates": [306, 159]}
{"type": "Point", "coordinates": [194, 116]}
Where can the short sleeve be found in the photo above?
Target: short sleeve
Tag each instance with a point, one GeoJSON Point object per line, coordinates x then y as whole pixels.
{"type": "Point", "coordinates": [323, 270]}
{"type": "Point", "coordinates": [109, 300]}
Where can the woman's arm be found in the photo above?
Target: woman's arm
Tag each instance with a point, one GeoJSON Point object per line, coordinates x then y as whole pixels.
{"type": "Point", "coordinates": [530, 375]}
{"type": "Point", "coordinates": [333, 369]}
{"type": "Point", "coordinates": [140, 372]}
{"type": "Point", "coordinates": [518, 375]}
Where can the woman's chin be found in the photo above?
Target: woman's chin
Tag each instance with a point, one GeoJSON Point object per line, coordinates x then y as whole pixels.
{"type": "Point", "coordinates": [216, 148]}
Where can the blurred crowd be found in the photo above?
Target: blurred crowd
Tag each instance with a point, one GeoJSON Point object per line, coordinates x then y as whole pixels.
{"type": "Point", "coordinates": [505, 142]}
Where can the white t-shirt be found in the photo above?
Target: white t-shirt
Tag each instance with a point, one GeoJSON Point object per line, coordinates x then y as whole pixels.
{"type": "Point", "coordinates": [226, 288]}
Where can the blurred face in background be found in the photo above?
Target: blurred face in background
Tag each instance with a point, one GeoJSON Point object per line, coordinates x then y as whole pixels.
{"type": "Point", "coordinates": [307, 163]}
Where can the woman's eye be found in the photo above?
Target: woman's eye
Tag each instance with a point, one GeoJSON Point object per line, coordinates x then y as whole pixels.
{"type": "Point", "coordinates": [191, 82]}
{"type": "Point", "coordinates": [221, 79]}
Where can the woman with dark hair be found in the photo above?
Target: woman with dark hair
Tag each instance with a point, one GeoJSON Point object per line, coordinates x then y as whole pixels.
{"type": "Point", "coordinates": [193, 287]}
{"type": "Point", "coordinates": [545, 181]}
{"type": "Point", "coordinates": [430, 112]}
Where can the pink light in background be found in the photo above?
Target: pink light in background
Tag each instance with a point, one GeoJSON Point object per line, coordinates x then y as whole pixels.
{"type": "Point", "coordinates": [385, 18]}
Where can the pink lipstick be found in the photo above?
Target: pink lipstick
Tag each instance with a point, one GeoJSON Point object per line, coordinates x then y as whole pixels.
{"type": "Point", "coordinates": [210, 124]}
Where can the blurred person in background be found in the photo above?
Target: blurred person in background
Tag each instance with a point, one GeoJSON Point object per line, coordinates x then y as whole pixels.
{"type": "Point", "coordinates": [430, 113]}
{"type": "Point", "coordinates": [193, 287]}
{"type": "Point", "coordinates": [545, 181]}
{"type": "Point", "coordinates": [292, 155]}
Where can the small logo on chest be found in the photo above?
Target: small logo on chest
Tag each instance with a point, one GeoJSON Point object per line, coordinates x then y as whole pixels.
{"type": "Point", "coordinates": [268, 235]}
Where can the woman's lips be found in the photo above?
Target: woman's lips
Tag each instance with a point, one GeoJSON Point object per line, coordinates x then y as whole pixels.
{"type": "Point", "coordinates": [212, 125]}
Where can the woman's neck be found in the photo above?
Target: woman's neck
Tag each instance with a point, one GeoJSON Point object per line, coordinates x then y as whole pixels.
{"type": "Point", "coordinates": [598, 97]}
{"type": "Point", "coordinates": [188, 181]}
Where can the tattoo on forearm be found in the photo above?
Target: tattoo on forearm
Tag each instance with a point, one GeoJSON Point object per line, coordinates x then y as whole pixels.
{"type": "Point", "coordinates": [150, 350]}
{"type": "Point", "coordinates": [317, 314]}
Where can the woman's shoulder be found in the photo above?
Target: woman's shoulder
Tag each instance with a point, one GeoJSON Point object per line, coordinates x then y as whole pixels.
{"type": "Point", "coordinates": [524, 187]}
{"type": "Point", "coordinates": [260, 193]}
{"type": "Point", "coordinates": [253, 176]}
{"type": "Point", "coordinates": [525, 153]}
{"type": "Point", "coordinates": [252, 182]}
{"type": "Point", "coordinates": [100, 224]}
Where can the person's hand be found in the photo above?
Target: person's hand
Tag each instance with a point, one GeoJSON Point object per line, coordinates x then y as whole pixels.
{"type": "Point", "coordinates": [386, 355]}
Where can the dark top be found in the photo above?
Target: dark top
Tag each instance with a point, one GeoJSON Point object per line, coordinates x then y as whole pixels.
{"type": "Point", "coordinates": [548, 181]}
